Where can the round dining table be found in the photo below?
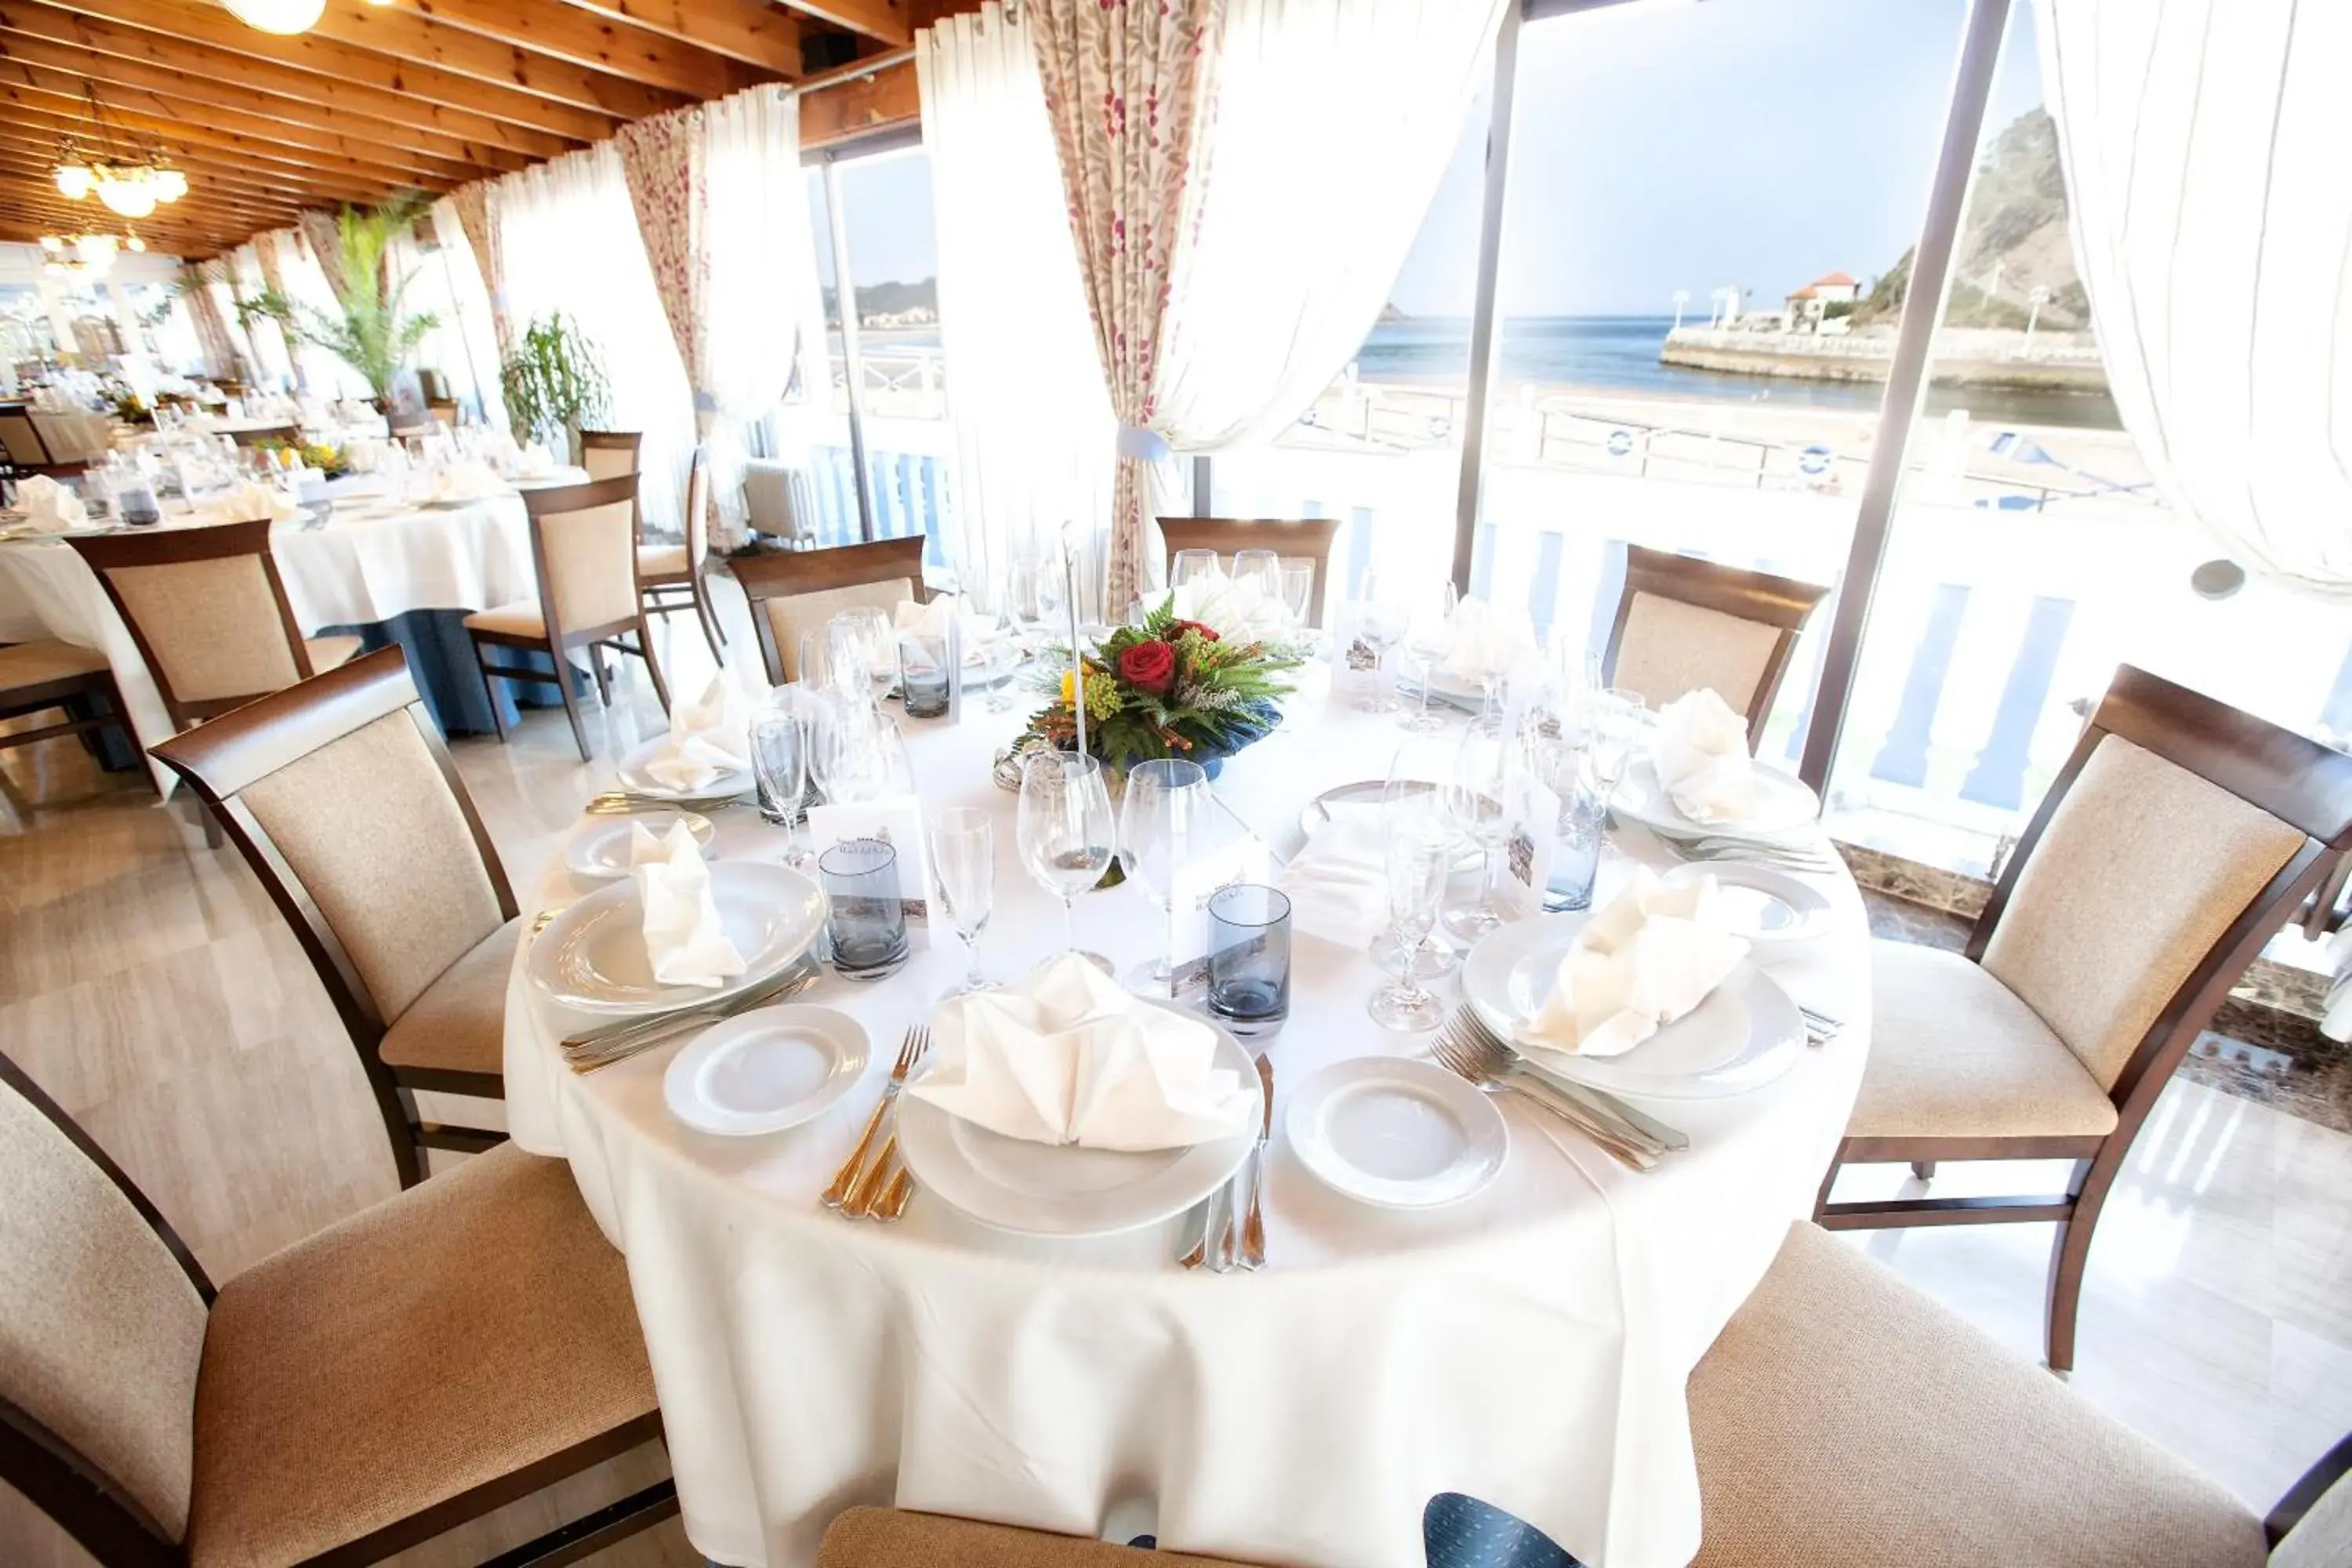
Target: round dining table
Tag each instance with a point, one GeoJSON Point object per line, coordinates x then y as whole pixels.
{"type": "Point", "coordinates": [1527, 1346]}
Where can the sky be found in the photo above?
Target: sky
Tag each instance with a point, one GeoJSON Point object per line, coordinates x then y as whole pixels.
{"type": "Point", "coordinates": [1659, 145]}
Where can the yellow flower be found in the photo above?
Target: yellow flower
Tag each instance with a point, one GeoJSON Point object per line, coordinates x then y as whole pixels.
{"type": "Point", "coordinates": [1069, 688]}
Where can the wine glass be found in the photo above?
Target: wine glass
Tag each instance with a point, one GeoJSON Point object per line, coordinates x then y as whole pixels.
{"type": "Point", "coordinates": [862, 639]}
{"type": "Point", "coordinates": [963, 861]}
{"type": "Point", "coordinates": [1420, 853]}
{"type": "Point", "coordinates": [1477, 799]}
{"type": "Point", "coordinates": [780, 760]}
{"type": "Point", "coordinates": [1299, 593]}
{"type": "Point", "coordinates": [1067, 833]}
{"type": "Point", "coordinates": [1192, 566]}
{"type": "Point", "coordinates": [1617, 717]}
{"type": "Point", "coordinates": [1262, 570]}
{"type": "Point", "coordinates": [1160, 822]}
{"type": "Point", "coordinates": [1386, 612]}
{"type": "Point", "coordinates": [1430, 638]}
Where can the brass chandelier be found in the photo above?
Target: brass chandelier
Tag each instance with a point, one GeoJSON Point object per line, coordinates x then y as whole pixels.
{"type": "Point", "coordinates": [127, 179]}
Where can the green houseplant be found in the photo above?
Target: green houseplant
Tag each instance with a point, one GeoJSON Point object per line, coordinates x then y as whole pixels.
{"type": "Point", "coordinates": [554, 383]}
{"type": "Point", "coordinates": [369, 332]}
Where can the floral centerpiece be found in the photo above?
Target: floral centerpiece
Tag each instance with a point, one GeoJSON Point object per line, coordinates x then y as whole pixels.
{"type": "Point", "coordinates": [1170, 688]}
{"type": "Point", "coordinates": [331, 461]}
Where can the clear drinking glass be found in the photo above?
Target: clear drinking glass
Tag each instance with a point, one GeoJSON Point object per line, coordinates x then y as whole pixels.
{"type": "Point", "coordinates": [865, 913]}
{"type": "Point", "coordinates": [924, 674]}
{"type": "Point", "coordinates": [1618, 718]}
{"type": "Point", "coordinates": [1429, 639]}
{"type": "Point", "coordinates": [963, 861]}
{"type": "Point", "coordinates": [1477, 799]}
{"type": "Point", "coordinates": [862, 639]}
{"type": "Point", "coordinates": [1420, 854]}
{"type": "Point", "coordinates": [1386, 612]}
{"type": "Point", "coordinates": [1190, 565]}
{"type": "Point", "coordinates": [1263, 568]}
{"type": "Point", "coordinates": [1249, 958]}
{"type": "Point", "coordinates": [1298, 592]}
{"type": "Point", "coordinates": [1159, 822]}
{"type": "Point", "coordinates": [1067, 833]}
{"type": "Point", "coordinates": [780, 761]}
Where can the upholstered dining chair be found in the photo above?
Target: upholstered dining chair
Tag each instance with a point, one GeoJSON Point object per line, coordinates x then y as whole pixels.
{"type": "Point", "coordinates": [21, 443]}
{"type": "Point", "coordinates": [797, 591]}
{"type": "Point", "coordinates": [1683, 623]}
{"type": "Point", "coordinates": [268, 436]}
{"type": "Point", "coordinates": [2180, 834]}
{"type": "Point", "coordinates": [343, 801]}
{"type": "Point", "coordinates": [38, 675]}
{"type": "Point", "coordinates": [671, 576]}
{"type": "Point", "coordinates": [1843, 1420]}
{"type": "Point", "coordinates": [894, 1538]}
{"type": "Point", "coordinates": [583, 551]}
{"type": "Point", "coordinates": [426, 1360]}
{"type": "Point", "coordinates": [1304, 540]}
{"type": "Point", "coordinates": [609, 454]}
{"type": "Point", "coordinates": [209, 614]}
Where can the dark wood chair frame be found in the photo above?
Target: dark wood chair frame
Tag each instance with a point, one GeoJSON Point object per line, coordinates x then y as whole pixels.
{"type": "Point", "coordinates": [268, 435]}
{"type": "Point", "coordinates": [1781, 601]}
{"type": "Point", "coordinates": [2302, 784]}
{"type": "Point", "coordinates": [782, 573]}
{"type": "Point", "coordinates": [660, 593]}
{"type": "Point", "coordinates": [16, 701]}
{"type": "Point", "coordinates": [560, 639]}
{"type": "Point", "coordinates": [319, 711]}
{"type": "Point", "coordinates": [1309, 536]}
{"type": "Point", "coordinates": [112, 1526]}
{"type": "Point", "coordinates": [44, 461]}
{"type": "Point", "coordinates": [629, 441]}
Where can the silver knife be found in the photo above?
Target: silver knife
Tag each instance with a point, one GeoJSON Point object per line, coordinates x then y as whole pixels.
{"type": "Point", "coordinates": [1254, 1225]}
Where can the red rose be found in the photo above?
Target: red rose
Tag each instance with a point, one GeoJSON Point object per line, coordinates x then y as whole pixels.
{"type": "Point", "coordinates": [1150, 666]}
{"type": "Point", "coordinates": [1181, 628]}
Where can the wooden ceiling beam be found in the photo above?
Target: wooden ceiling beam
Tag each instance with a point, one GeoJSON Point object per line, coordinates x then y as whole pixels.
{"type": "Point", "coordinates": [842, 110]}
{"type": "Point", "coordinates": [50, 218]}
{"type": "Point", "coordinates": [175, 242]}
{"type": "Point", "coordinates": [23, 115]}
{"type": "Point", "coordinates": [188, 95]}
{"type": "Point", "coordinates": [409, 37]}
{"type": "Point", "coordinates": [33, 155]}
{"type": "Point", "coordinates": [886, 21]}
{"type": "Point", "coordinates": [585, 39]}
{"type": "Point", "coordinates": [178, 22]}
{"type": "Point", "coordinates": [751, 31]}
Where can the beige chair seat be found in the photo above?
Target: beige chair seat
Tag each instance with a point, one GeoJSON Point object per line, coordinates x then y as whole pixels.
{"type": "Point", "coordinates": [887, 1538]}
{"type": "Point", "coordinates": [519, 620]}
{"type": "Point", "coordinates": [38, 663]}
{"type": "Point", "coordinates": [458, 1023]}
{"type": "Point", "coordinates": [1955, 1054]}
{"type": "Point", "coordinates": [332, 652]}
{"type": "Point", "coordinates": [457, 1333]}
{"type": "Point", "coordinates": [1843, 1420]}
{"type": "Point", "coordinates": [661, 561]}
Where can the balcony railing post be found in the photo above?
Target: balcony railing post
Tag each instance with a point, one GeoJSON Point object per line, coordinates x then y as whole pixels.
{"type": "Point", "coordinates": [1482, 312]}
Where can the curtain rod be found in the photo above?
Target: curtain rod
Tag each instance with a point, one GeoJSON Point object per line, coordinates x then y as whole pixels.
{"type": "Point", "coordinates": [873, 65]}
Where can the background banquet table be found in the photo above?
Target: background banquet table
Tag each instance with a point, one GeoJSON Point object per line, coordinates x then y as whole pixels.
{"type": "Point", "coordinates": [1528, 1346]}
{"type": "Point", "coordinates": [71, 438]}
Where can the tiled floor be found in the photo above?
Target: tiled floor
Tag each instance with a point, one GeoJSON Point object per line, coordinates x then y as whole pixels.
{"type": "Point", "coordinates": [148, 984]}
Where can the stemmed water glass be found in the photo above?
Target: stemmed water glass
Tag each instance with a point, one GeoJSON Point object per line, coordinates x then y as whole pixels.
{"type": "Point", "coordinates": [1190, 565]}
{"type": "Point", "coordinates": [1385, 613]}
{"type": "Point", "coordinates": [780, 759]}
{"type": "Point", "coordinates": [1476, 797]}
{"type": "Point", "coordinates": [964, 862]}
{"type": "Point", "coordinates": [1159, 822]}
{"type": "Point", "coordinates": [1298, 595]}
{"type": "Point", "coordinates": [1616, 717]}
{"type": "Point", "coordinates": [1420, 852]}
{"type": "Point", "coordinates": [1428, 641]}
{"type": "Point", "coordinates": [863, 639]}
{"type": "Point", "coordinates": [1067, 833]}
{"type": "Point", "coordinates": [1263, 568]}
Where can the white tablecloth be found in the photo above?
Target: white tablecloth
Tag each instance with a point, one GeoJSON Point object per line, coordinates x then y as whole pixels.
{"type": "Point", "coordinates": [370, 562]}
{"type": "Point", "coordinates": [1529, 1347]}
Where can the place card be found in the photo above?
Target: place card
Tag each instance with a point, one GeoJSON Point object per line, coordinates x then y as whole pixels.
{"type": "Point", "coordinates": [898, 821]}
{"type": "Point", "coordinates": [1528, 853]}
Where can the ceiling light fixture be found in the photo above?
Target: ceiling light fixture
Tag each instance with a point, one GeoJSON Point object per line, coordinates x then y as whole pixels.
{"type": "Point", "coordinates": [128, 180]}
{"type": "Point", "coordinates": [285, 17]}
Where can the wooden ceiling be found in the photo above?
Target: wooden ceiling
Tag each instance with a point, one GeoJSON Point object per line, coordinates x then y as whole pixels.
{"type": "Point", "coordinates": [412, 95]}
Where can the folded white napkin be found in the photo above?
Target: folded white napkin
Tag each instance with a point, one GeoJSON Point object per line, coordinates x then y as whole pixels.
{"type": "Point", "coordinates": [708, 738]}
{"type": "Point", "coordinates": [1338, 884]}
{"type": "Point", "coordinates": [1488, 640]}
{"type": "Point", "coordinates": [50, 504]}
{"type": "Point", "coordinates": [1068, 1056]}
{"type": "Point", "coordinates": [683, 939]}
{"type": "Point", "coordinates": [1700, 752]}
{"type": "Point", "coordinates": [250, 501]}
{"type": "Point", "coordinates": [1238, 611]}
{"type": "Point", "coordinates": [470, 478]}
{"type": "Point", "coordinates": [1644, 960]}
{"type": "Point", "coordinates": [935, 619]}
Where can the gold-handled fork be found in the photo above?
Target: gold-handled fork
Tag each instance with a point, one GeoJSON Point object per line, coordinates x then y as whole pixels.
{"type": "Point", "coordinates": [846, 1180]}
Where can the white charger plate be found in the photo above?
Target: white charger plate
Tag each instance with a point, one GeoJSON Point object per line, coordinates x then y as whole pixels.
{"type": "Point", "coordinates": [1396, 1133]}
{"type": "Point", "coordinates": [638, 781]}
{"type": "Point", "coordinates": [600, 851]}
{"type": "Point", "coordinates": [767, 1070]}
{"type": "Point", "coordinates": [1782, 801]}
{"type": "Point", "coordinates": [1045, 1189]}
{"type": "Point", "coordinates": [591, 957]}
{"type": "Point", "coordinates": [1762, 904]}
{"type": "Point", "coordinates": [1745, 1034]}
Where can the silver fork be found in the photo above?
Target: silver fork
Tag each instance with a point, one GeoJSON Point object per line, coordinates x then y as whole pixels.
{"type": "Point", "coordinates": [1459, 1059]}
{"type": "Point", "coordinates": [845, 1181]}
{"type": "Point", "coordinates": [1787, 857]}
{"type": "Point", "coordinates": [627, 803]}
{"type": "Point", "coordinates": [596, 1048]}
{"type": "Point", "coordinates": [1501, 1059]}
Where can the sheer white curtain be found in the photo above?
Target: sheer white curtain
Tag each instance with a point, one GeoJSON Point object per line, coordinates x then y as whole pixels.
{"type": "Point", "coordinates": [306, 284]}
{"type": "Point", "coordinates": [2204, 145]}
{"type": "Point", "coordinates": [1033, 423]}
{"type": "Point", "coordinates": [267, 342]}
{"type": "Point", "coordinates": [461, 347]}
{"type": "Point", "coordinates": [569, 239]}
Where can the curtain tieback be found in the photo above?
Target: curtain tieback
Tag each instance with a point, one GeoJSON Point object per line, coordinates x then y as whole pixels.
{"type": "Point", "coordinates": [1143, 442]}
{"type": "Point", "coordinates": [705, 403]}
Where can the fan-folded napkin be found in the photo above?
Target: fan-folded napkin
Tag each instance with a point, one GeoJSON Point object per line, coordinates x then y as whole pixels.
{"type": "Point", "coordinates": [1338, 884]}
{"type": "Point", "coordinates": [1487, 640]}
{"type": "Point", "coordinates": [469, 480]}
{"type": "Point", "coordinates": [708, 738]}
{"type": "Point", "coordinates": [1645, 958]}
{"type": "Point", "coordinates": [940, 616]}
{"type": "Point", "coordinates": [50, 504]}
{"type": "Point", "coordinates": [1068, 1056]}
{"type": "Point", "coordinates": [684, 940]}
{"type": "Point", "coordinates": [1700, 752]}
{"type": "Point", "coordinates": [1237, 609]}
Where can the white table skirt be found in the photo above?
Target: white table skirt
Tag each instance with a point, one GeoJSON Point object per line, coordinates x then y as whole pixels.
{"type": "Point", "coordinates": [360, 569]}
{"type": "Point", "coordinates": [1529, 1347]}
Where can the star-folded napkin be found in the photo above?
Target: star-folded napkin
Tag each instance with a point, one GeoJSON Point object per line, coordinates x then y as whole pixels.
{"type": "Point", "coordinates": [1068, 1056]}
{"type": "Point", "coordinates": [684, 940]}
{"type": "Point", "coordinates": [1645, 958]}
{"type": "Point", "coordinates": [1700, 752]}
{"type": "Point", "coordinates": [709, 738]}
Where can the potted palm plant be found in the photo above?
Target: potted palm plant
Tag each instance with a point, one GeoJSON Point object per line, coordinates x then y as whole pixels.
{"type": "Point", "coordinates": [370, 332]}
{"type": "Point", "coordinates": [554, 383]}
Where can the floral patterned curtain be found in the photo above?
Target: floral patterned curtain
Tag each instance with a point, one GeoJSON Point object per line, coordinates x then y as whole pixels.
{"type": "Point", "coordinates": [325, 240]}
{"type": "Point", "coordinates": [265, 250]}
{"type": "Point", "coordinates": [665, 161]}
{"type": "Point", "coordinates": [211, 330]}
{"type": "Point", "coordinates": [1129, 88]}
{"type": "Point", "coordinates": [480, 221]}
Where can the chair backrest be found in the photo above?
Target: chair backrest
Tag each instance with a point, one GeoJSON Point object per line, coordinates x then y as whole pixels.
{"type": "Point", "coordinates": [20, 439]}
{"type": "Point", "coordinates": [609, 454]}
{"type": "Point", "coordinates": [2179, 837]}
{"type": "Point", "coordinates": [268, 435]}
{"type": "Point", "coordinates": [1683, 624]}
{"type": "Point", "coordinates": [207, 610]}
{"type": "Point", "coordinates": [583, 540]}
{"type": "Point", "coordinates": [102, 1314]}
{"type": "Point", "coordinates": [1304, 540]}
{"type": "Point", "coordinates": [444, 409]}
{"type": "Point", "coordinates": [341, 797]}
{"type": "Point", "coordinates": [797, 591]}
{"type": "Point", "coordinates": [695, 522]}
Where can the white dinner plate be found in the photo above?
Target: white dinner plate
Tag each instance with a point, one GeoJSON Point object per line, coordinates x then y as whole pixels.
{"type": "Point", "coordinates": [1762, 904]}
{"type": "Point", "coordinates": [592, 957]}
{"type": "Point", "coordinates": [1782, 801]}
{"type": "Point", "coordinates": [600, 851]}
{"type": "Point", "coordinates": [767, 1070]}
{"type": "Point", "coordinates": [1045, 1189]}
{"type": "Point", "coordinates": [1747, 1032]}
{"type": "Point", "coordinates": [636, 780]}
{"type": "Point", "coordinates": [1396, 1133]}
